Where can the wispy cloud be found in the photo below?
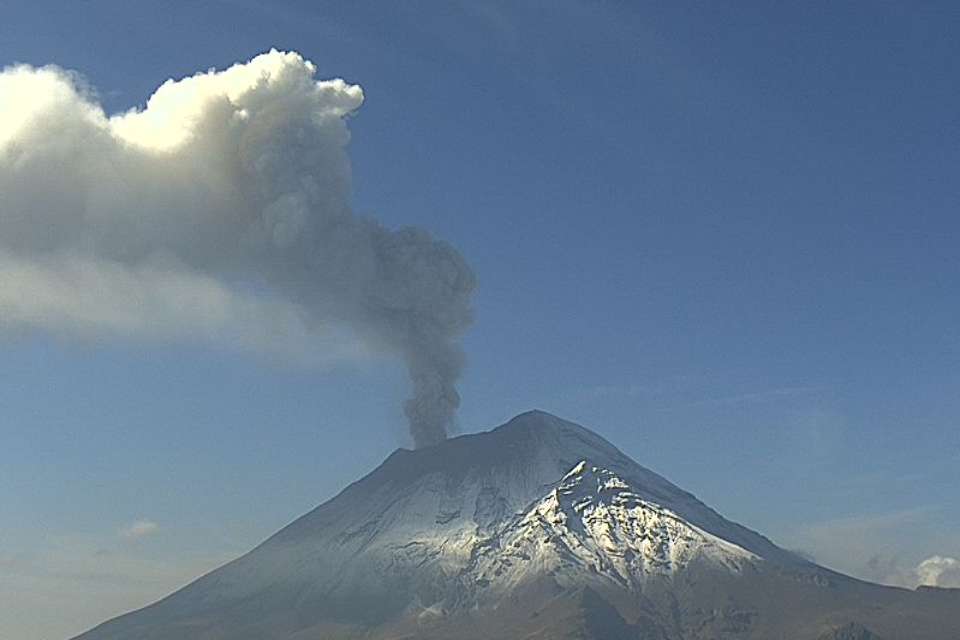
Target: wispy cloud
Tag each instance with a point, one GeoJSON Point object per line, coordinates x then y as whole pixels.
{"type": "Point", "coordinates": [856, 525]}
{"type": "Point", "coordinates": [758, 397]}
{"type": "Point", "coordinates": [696, 390]}
{"type": "Point", "coordinates": [138, 529]}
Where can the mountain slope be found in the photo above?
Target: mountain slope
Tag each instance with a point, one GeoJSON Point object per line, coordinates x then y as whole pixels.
{"type": "Point", "coordinates": [595, 519]}
{"type": "Point", "coordinates": [544, 523]}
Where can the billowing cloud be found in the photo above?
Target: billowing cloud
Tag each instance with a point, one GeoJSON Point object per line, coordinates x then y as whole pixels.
{"type": "Point", "coordinates": [219, 212]}
{"type": "Point", "coordinates": [939, 571]}
{"type": "Point", "coordinates": [139, 529]}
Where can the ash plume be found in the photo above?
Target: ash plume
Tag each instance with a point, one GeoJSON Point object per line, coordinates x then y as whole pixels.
{"type": "Point", "coordinates": [219, 212]}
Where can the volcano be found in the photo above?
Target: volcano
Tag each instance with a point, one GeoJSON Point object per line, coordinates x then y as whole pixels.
{"type": "Point", "coordinates": [538, 529]}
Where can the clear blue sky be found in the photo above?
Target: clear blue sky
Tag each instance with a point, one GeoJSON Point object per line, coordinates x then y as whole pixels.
{"type": "Point", "coordinates": [724, 237]}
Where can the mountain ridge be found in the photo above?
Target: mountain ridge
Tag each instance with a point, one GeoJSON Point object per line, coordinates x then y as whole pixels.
{"type": "Point", "coordinates": [519, 520]}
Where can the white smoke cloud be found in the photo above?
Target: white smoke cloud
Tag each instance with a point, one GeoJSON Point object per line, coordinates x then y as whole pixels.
{"type": "Point", "coordinates": [939, 571]}
{"type": "Point", "coordinates": [218, 212]}
{"type": "Point", "coordinates": [84, 297]}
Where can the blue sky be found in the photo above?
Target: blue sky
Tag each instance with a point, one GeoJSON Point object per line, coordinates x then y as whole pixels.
{"type": "Point", "coordinates": [723, 237]}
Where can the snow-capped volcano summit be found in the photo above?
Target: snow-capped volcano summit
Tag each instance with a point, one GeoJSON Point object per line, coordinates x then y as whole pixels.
{"type": "Point", "coordinates": [539, 528]}
{"type": "Point", "coordinates": [595, 522]}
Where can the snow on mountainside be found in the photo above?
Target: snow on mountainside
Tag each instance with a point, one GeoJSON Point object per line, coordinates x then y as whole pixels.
{"type": "Point", "coordinates": [435, 505]}
{"type": "Point", "coordinates": [594, 522]}
{"type": "Point", "coordinates": [416, 533]}
{"type": "Point", "coordinates": [539, 514]}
